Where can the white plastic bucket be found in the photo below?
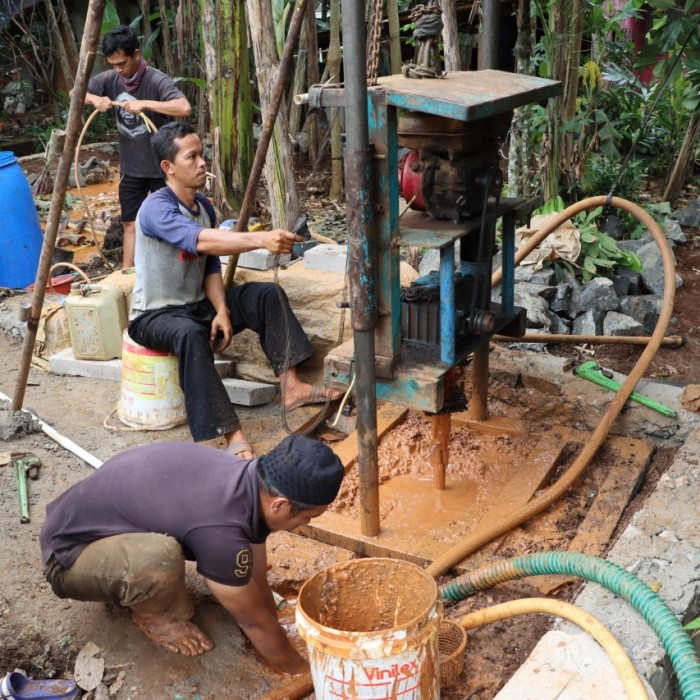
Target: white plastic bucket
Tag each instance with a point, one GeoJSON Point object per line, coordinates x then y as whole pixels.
{"type": "Point", "coordinates": [371, 628]}
{"type": "Point", "coordinates": [151, 397]}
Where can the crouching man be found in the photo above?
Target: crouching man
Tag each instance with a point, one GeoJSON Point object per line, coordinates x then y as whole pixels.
{"type": "Point", "coordinates": [123, 534]}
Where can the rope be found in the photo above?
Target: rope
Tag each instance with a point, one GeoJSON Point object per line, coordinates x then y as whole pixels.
{"type": "Point", "coordinates": [149, 125]}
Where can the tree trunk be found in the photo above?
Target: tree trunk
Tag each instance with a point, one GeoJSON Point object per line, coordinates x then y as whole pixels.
{"type": "Point", "coordinates": [392, 11]}
{"type": "Point", "coordinates": [44, 183]}
{"type": "Point", "coordinates": [298, 82]}
{"type": "Point", "coordinates": [519, 178]}
{"type": "Point", "coordinates": [568, 111]}
{"type": "Point", "coordinates": [675, 182]}
{"type": "Point", "coordinates": [557, 56]}
{"type": "Point", "coordinates": [68, 36]}
{"type": "Point", "coordinates": [66, 68]}
{"type": "Point", "coordinates": [167, 41]}
{"type": "Point", "coordinates": [225, 59]}
{"type": "Point", "coordinates": [279, 172]}
{"type": "Point", "coordinates": [450, 36]}
{"type": "Point", "coordinates": [334, 59]}
{"type": "Point", "coordinates": [312, 125]}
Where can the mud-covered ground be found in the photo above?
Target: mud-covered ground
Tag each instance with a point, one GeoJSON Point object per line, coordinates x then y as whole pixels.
{"type": "Point", "coordinates": [43, 635]}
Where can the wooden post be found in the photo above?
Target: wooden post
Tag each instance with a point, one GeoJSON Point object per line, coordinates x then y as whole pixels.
{"type": "Point", "coordinates": [88, 48]}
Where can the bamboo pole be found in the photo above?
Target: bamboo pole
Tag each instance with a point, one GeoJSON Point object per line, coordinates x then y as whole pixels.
{"type": "Point", "coordinates": [88, 48]}
{"type": "Point", "coordinates": [276, 98]}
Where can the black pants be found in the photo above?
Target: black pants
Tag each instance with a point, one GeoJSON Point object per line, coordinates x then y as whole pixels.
{"type": "Point", "coordinates": [184, 331]}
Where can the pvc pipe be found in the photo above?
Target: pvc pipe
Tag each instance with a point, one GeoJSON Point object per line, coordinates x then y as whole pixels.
{"type": "Point", "coordinates": [61, 439]}
{"type": "Point", "coordinates": [628, 674]}
{"type": "Point", "coordinates": [481, 536]}
{"type": "Point", "coordinates": [680, 649]}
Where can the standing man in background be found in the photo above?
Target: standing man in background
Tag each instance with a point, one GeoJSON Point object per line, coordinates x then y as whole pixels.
{"type": "Point", "coordinates": [140, 89]}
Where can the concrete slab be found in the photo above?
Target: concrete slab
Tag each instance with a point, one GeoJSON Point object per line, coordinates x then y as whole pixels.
{"type": "Point", "coordinates": [327, 258]}
{"type": "Point", "coordinates": [660, 547]}
{"type": "Point", "coordinates": [259, 259]}
{"type": "Point", "coordinates": [245, 393]}
{"type": "Point", "coordinates": [64, 362]}
{"type": "Point", "coordinates": [565, 666]}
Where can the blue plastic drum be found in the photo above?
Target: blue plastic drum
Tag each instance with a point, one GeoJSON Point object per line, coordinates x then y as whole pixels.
{"type": "Point", "coordinates": [20, 233]}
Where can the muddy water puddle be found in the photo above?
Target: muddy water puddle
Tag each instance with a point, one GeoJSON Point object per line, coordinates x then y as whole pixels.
{"type": "Point", "coordinates": [479, 465]}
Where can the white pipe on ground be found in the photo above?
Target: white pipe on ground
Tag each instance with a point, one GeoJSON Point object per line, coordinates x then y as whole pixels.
{"type": "Point", "coordinates": [61, 439]}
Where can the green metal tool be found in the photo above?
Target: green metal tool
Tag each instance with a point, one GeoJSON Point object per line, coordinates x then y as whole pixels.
{"type": "Point", "coordinates": [26, 465]}
{"type": "Point", "coordinates": [593, 373]}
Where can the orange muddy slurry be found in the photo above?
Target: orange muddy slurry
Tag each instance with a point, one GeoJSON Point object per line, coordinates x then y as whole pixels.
{"type": "Point", "coordinates": [102, 203]}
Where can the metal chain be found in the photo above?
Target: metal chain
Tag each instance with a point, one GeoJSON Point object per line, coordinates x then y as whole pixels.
{"type": "Point", "coordinates": [374, 42]}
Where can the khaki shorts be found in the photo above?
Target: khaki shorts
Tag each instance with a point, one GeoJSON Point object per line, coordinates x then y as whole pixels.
{"type": "Point", "coordinates": [141, 571]}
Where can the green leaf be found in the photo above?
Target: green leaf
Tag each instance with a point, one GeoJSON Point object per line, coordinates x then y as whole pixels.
{"type": "Point", "coordinates": [694, 625]}
{"type": "Point", "coordinates": [588, 237]}
{"type": "Point", "coordinates": [589, 265]}
{"type": "Point", "coordinates": [110, 18]}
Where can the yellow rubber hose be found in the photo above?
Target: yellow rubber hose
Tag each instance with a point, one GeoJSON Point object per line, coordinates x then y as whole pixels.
{"type": "Point", "coordinates": [628, 674]}
{"type": "Point", "coordinates": [472, 542]}
{"type": "Point", "coordinates": [149, 125]}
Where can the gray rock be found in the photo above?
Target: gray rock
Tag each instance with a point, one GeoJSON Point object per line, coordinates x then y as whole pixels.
{"type": "Point", "coordinates": [674, 232]}
{"type": "Point", "coordinates": [559, 325]}
{"type": "Point", "coordinates": [652, 268]}
{"type": "Point", "coordinates": [589, 323]}
{"type": "Point", "coordinates": [644, 309]}
{"type": "Point", "coordinates": [620, 324]}
{"type": "Point", "coordinates": [688, 216]}
{"type": "Point", "coordinates": [621, 284]}
{"type": "Point", "coordinates": [634, 245]}
{"type": "Point", "coordinates": [429, 262]}
{"type": "Point", "coordinates": [613, 227]}
{"type": "Point", "coordinates": [536, 308]}
{"type": "Point", "coordinates": [635, 280]}
{"type": "Point", "coordinates": [599, 293]}
{"type": "Point", "coordinates": [544, 291]}
{"type": "Point", "coordinates": [527, 273]}
{"type": "Point", "coordinates": [561, 300]}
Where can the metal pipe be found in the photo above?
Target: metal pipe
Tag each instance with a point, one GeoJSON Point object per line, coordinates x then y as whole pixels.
{"type": "Point", "coordinates": [61, 439]}
{"type": "Point", "coordinates": [478, 405]}
{"type": "Point", "coordinates": [266, 131]}
{"type": "Point", "coordinates": [93, 22]}
{"type": "Point", "coordinates": [448, 327]}
{"type": "Point", "coordinates": [488, 43]}
{"type": "Point", "coordinates": [669, 341]}
{"type": "Point", "coordinates": [361, 246]}
{"type": "Point", "coordinates": [440, 452]}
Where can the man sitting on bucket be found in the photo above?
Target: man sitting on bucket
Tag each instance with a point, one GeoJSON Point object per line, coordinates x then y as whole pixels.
{"type": "Point", "coordinates": [179, 302]}
{"type": "Point", "coordinates": [123, 534]}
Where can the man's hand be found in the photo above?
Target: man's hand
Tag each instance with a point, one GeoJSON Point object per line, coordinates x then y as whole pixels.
{"type": "Point", "coordinates": [280, 242]}
{"type": "Point", "coordinates": [133, 106]}
{"type": "Point", "coordinates": [221, 324]}
{"type": "Point", "coordinates": [102, 104]}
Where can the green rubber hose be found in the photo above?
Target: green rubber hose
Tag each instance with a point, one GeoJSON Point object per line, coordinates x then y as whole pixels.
{"type": "Point", "coordinates": [657, 614]}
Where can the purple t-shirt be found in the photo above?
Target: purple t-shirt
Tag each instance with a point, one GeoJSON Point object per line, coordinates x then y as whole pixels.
{"type": "Point", "coordinates": [206, 499]}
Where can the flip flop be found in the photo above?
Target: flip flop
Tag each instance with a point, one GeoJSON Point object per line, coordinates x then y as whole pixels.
{"type": "Point", "coordinates": [16, 686]}
{"type": "Point", "coordinates": [235, 448]}
{"type": "Point", "coordinates": [317, 396]}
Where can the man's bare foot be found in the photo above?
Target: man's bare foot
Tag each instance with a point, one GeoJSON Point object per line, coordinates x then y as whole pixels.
{"type": "Point", "coordinates": [178, 636]}
{"type": "Point", "coordinates": [307, 395]}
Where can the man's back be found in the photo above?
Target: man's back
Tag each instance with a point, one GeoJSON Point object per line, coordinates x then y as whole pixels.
{"type": "Point", "coordinates": [203, 497]}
